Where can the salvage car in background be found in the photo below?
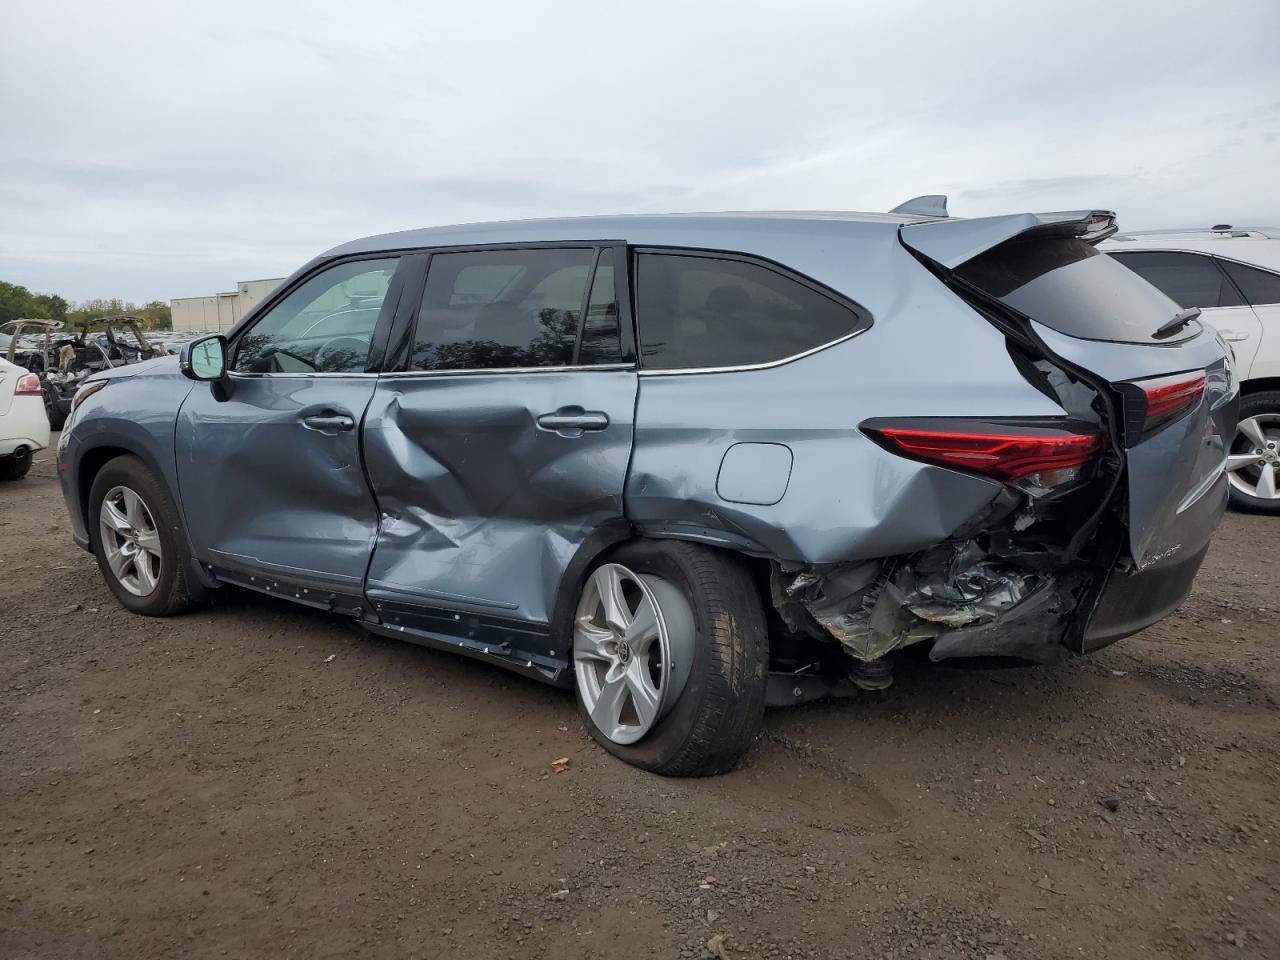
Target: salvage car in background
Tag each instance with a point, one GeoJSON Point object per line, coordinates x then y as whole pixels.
{"type": "Point", "coordinates": [685, 464]}
{"type": "Point", "coordinates": [63, 361]}
{"type": "Point", "coordinates": [24, 426]}
{"type": "Point", "coordinates": [1232, 275]}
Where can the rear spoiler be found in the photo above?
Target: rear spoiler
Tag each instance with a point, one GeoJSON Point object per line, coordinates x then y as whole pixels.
{"type": "Point", "coordinates": [952, 242]}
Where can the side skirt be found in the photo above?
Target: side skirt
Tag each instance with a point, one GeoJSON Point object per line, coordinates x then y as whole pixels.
{"type": "Point", "coordinates": [524, 648]}
{"type": "Point", "coordinates": [516, 645]}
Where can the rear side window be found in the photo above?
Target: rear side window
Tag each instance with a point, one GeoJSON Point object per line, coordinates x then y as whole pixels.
{"type": "Point", "coordinates": [1260, 287]}
{"type": "Point", "coordinates": [706, 311]}
{"type": "Point", "coordinates": [1188, 279]}
{"type": "Point", "coordinates": [1067, 285]}
{"type": "Point", "coordinates": [496, 309]}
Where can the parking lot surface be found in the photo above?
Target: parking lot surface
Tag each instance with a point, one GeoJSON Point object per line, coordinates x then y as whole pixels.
{"type": "Point", "coordinates": [256, 779]}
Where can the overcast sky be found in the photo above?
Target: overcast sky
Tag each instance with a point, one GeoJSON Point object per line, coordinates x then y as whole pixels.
{"type": "Point", "coordinates": [158, 150]}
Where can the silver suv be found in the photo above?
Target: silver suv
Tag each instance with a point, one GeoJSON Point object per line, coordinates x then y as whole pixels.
{"type": "Point", "coordinates": [1232, 274]}
{"type": "Point", "coordinates": [686, 465]}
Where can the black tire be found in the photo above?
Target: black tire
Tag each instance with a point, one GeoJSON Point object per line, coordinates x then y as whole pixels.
{"type": "Point", "coordinates": [721, 709]}
{"type": "Point", "coordinates": [16, 465]}
{"type": "Point", "coordinates": [57, 416]}
{"type": "Point", "coordinates": [171, 594]}
{"type": "Point", "coordinates": [1252, 405]}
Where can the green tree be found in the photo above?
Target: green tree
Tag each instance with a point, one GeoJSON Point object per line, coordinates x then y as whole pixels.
{"type": "Point", "coordinates": [154, 315]}
{"type": "Point", "coordinates": [16, 302]}
{"type": "Point", "coordinates": [54, 305]}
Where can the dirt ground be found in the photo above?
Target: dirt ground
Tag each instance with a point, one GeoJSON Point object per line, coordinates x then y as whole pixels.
{"type": "Point", "coordinates": [256, 780]}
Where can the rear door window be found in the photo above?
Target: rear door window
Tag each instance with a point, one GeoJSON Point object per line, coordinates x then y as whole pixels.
{"type": "Point", "coordinates": [698, 312]}
{"type": "Point", "coordinates": [1070, 286]}
{"type": "Point", "coordinates": [1260, 287]}
{"type": "Point", "coordinates": [1188, 279]}
{"type": "Point", "coordinates": [504, 309]}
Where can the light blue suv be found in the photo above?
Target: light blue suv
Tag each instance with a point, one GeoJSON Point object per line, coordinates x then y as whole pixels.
{"type": "Point", "coordinates": [688, 465]}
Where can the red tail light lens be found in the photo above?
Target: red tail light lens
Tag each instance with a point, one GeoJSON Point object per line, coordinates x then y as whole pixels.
{"type": "Point", "coordinates": [1034, 457]}
{"type": "Point", "coordinates": [28, 386]}
{"type": "Point", "coordinates": [1152, 405]}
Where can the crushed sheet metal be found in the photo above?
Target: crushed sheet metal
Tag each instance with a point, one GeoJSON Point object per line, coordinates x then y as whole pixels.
{"type": "Point", "coordinates": [876, 607]}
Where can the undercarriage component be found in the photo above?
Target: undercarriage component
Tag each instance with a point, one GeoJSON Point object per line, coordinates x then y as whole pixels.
{"type": "Point", "coordinates": [872, 674]}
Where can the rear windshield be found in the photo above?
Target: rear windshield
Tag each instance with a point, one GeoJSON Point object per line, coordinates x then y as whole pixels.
{"type": "Point", "coordinates": [1069, 285]}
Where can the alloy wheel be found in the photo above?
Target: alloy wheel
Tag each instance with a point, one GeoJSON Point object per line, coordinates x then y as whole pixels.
{"type": "Point", "coordinates": [633, 643]}
{"type": "Point", "coordinates": [1253, 465]}
{"type": "Point", "coordinates": [130, 540]}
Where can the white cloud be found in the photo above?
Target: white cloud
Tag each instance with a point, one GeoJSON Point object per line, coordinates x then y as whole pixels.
{"type": "Point", "coordinates": [160, 150]}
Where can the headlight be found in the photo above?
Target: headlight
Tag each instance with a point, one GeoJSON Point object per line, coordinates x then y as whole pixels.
{"type": "Point", "coordinates": [87, 391]}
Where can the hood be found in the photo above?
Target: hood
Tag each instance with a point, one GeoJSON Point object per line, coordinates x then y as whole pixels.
{"type": "Point", "coordinates": [156, 366]}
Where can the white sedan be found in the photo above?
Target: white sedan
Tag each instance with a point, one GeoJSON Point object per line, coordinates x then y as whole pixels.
{"type": "Point", "coordinates": [24, 425]}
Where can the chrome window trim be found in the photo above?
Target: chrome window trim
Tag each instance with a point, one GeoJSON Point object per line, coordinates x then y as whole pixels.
{"type": "Point", "coordinates": [236, 375]}
{"type": "Point", "coordinates": [754, 366]}
{"type": "Point", "coordinates": [239, 375]}
{"type": "Point", "coordinates": [487, 370]}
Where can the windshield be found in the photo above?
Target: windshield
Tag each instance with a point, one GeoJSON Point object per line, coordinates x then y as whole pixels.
{"type": "Point", "coordinates": [1069, 285]}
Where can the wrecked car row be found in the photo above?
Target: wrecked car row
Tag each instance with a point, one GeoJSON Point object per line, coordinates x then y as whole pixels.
{"type": "Point", "coordinates": [686, 465]}
{"type": "Point", "coordinates": [64, 360]}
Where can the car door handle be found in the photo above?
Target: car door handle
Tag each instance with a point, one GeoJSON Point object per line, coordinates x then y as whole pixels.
{"type": "Point", "coordinates": [1233, 336]}
{"type": "Point", "coordinates": [328, 421]}
{"type": "Point", "coordinates": [572, 421]}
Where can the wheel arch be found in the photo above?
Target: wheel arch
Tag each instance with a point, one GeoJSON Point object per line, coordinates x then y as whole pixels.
{"type": "Point", "coordinates": [91, 461]}
{"type": "Point", "coordinates": [1260, 385]}
{"type": "Point", "coordinates": [90, 465]}
{"type": "Point", "coordinates": [608, 538]}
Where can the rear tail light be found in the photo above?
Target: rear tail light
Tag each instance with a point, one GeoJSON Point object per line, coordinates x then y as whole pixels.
{"type": "Point", "coordinates": [1152, 405]}
{"type": "Point", "coordinates": [1037, 457]}
{"type": "Point", "coordinates": [28, 386]}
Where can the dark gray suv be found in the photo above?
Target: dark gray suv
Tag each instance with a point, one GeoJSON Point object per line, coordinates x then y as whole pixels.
{"type": "Point", "coordinates": [689, 465]}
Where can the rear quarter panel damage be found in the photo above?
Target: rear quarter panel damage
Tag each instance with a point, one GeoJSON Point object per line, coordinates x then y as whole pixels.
{"type": "Point", "coordinates": [846, 498]}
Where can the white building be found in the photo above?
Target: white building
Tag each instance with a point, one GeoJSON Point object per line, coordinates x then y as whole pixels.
{"type": "Point", "coordinates": [222, 310]}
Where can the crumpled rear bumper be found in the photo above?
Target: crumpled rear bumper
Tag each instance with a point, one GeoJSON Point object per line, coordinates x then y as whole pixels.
{"type": "Point", "coordinates": [1134, 601]}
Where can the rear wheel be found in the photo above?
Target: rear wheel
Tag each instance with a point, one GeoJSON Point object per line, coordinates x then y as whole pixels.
{"type": "Point", "coordinates": [141, 551]}
{"type": "Point", "coordinates": [671, 657]}
{"type": "Point", "coordinates": [1253, 465]}
{"type": "Point", "coordinates": [16, 465]}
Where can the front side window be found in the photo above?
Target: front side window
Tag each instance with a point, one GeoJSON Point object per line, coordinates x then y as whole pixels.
{"type": "Point", "coordinates": [1260, 287]}
{"type": "Point", "coordinates": [1188, 279]}
{"type": "Point", "coordinates": [323, 326]}
{"type": "Point", "coordinates": [502, 309]}
{"type": "Point", "coordinates": [705, 311]}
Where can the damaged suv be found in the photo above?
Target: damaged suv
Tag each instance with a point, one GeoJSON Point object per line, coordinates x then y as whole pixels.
{"type": "Point", "coordinates": [688, 465]}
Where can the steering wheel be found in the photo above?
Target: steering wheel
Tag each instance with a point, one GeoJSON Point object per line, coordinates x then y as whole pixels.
{"type": "Point", "coordinates": [359, 346]}
{"type": "Point", "coordinates": [293, 356]}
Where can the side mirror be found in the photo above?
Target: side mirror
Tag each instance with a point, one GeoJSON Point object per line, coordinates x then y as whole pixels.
{"type": "Point", "coordinates": [204, 359]}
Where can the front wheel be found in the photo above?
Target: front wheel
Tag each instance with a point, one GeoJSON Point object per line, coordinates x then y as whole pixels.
{"type": "Point", "coordinates": [136, 537]}
{"type": "Point", "coordinates": [671, 657]}
{"type": "Point", "coordinates": [1253, 464]}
